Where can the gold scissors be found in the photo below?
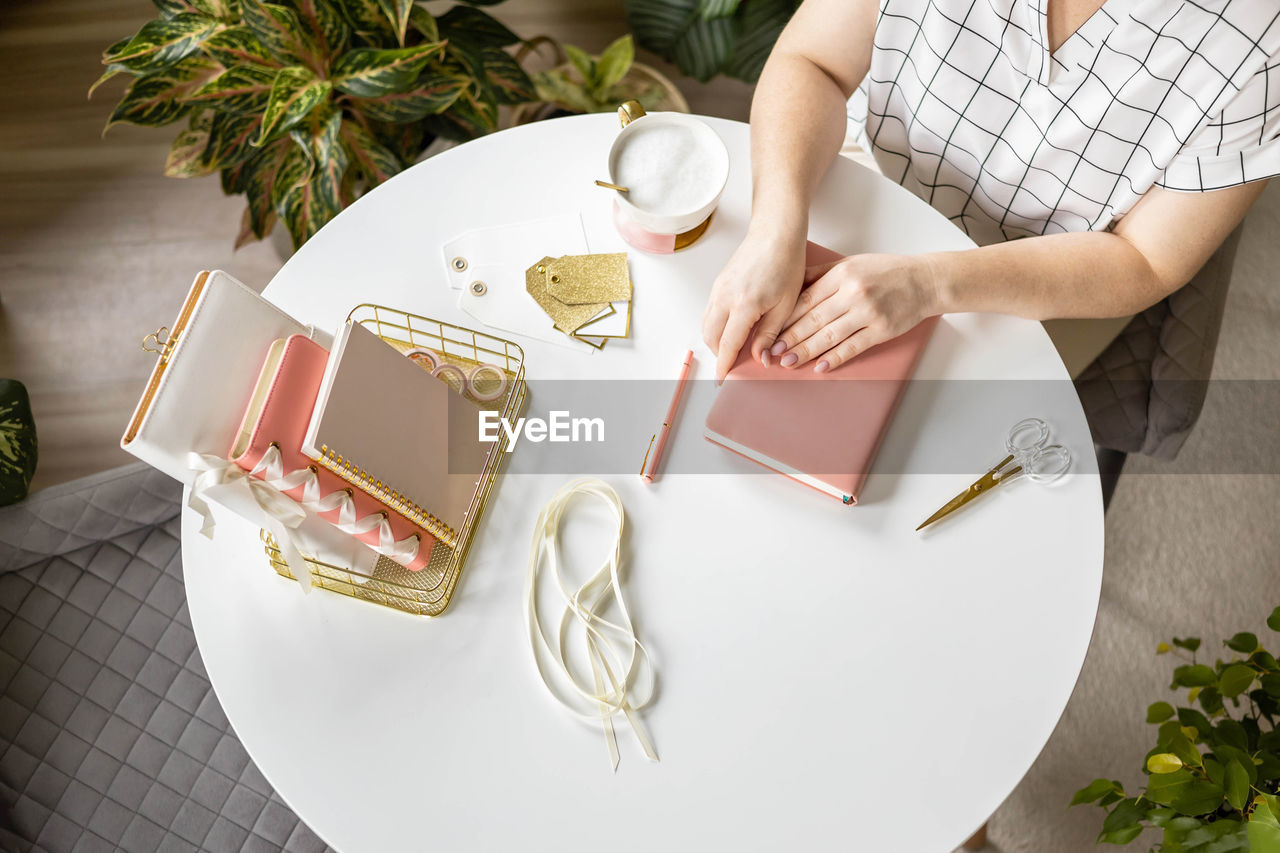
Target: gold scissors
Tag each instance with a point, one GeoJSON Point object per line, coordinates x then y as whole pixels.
{"type": "Point", "coordinates": [1030, 453]}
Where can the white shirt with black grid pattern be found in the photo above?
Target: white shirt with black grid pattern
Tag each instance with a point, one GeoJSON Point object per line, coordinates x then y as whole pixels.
{"type": "Point", "coordinates": [965, 106]}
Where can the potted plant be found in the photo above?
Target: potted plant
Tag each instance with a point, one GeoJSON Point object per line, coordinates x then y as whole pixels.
{"type": "Point", "coordinates": [303, 104]}
{"type": "Point", "coordinates": [1214, 774]}
{"type": "Point", "coordinates": [597, 84]}
{"type": "Point", "coordinates": [17, 442]}
{"type": "Point", "coordinates": [709, 37]}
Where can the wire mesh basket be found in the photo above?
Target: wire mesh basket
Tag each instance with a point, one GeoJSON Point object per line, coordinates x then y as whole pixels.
{"type": "Point", "coordinates": [427, 592]}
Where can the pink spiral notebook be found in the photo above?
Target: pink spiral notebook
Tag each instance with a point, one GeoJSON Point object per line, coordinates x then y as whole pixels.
{"type": "Point", "coordinates": [819, 429]}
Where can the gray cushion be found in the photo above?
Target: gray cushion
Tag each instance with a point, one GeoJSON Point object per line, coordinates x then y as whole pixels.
{"type": "Point", "coordinates": [110, 734]}
{"type": "Point", "coordinates": [1144, 393]}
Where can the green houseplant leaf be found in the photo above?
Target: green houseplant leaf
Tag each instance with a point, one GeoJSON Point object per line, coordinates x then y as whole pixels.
{"type": "Point", "coordinates": [1220, 799]}
{"type": "Point", "coordinates": [370, 73]}
{"type": "Point", "coordinates": [241, 89]}
{"type": "Point", "coordinates": [18, 446]}
{"type": "Point", "coordinates": [294, 94]}
{"type": "Point", "coordinates": [278, 29]}
{"type": "Point", "coordinates": [162, 43]}
{"type": "Point", "coordinates": [301, 105]}
{"type": "Point", "coordinates": [709, 37]}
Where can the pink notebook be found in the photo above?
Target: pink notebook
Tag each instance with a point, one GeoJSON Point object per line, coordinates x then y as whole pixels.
{"type": "Point", "coordinates": [820, 429]}
{"type": "Point", "coordinates": [278, 413]}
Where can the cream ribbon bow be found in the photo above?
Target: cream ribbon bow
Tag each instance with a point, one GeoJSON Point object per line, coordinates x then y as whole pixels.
{"type": "Point", "coordinates": [282, 515]}
{"type": "Point", "coordinates": [618, 660]}
{"type": "Point", "coordinates": [215, 473]}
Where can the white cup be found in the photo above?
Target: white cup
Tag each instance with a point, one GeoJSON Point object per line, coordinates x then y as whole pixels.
{"type": "Point", "coordinates": [675, 168]}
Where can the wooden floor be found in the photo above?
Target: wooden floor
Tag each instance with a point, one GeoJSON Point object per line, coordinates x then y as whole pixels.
{"type": "Point", "coordinates": [97, 248]}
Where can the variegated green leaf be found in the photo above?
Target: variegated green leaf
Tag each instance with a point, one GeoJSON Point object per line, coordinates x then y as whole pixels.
{"type": "Point", "coordinates": [294, 170]}
{"type": "Point", "coordinates": [163, 42]}
{"type": "Point", "coordinates": [242, 89]}
{"type": "Point", "coordinates": [112, 71]}
{"type": "Point", "coordinates": [375, 161]}
{"type": "Point", "coordinates": [234, 178]}
{"type": "Point", "coordinates": [201, 118]}
{"type": "Point", "coordinates": [554, 88]}
{"type": "Point", "coordinates": [324, 24]}
{"type": "Point", "coordinates": [397, 12]}
{"type": "Point", "coordinates": [368, 20]}
{"type": "Point", "coordinates": [259, 180]}
{"type": "Point", "coordinates": [717, 8]}
{"type": "Point", "coordinates": [308, 206]}
{"type": "Point", "coordinates": [232, 138]}
{"type": "Point", "coordinates": [282, 34]}
{"type": "Point", "coordinates": [18, 445]}
{"type": "Point", "coordinates": [422, 21]}
{"type": "Point", "coordinates": [223, 10]}
{"type": "Point", "coordinates": [468, 117]}
{"type": "Point", "coordinates": [109, 55]}
{"type": "Point", "coordinates": [295, 92]}
{"type": "Point", "coordinates": [431, 94]}
{"type": "Point", "coordinates": [238, 46]}
{"type": "Point", "coordinates": [157, 99]}
{"type": "Point", "coordinates": [760, 22]}
{"type": "Point", "coordinates": [406, 141]}
{"type": "Point", "coordinates": [505, 78]}
{"type": "Point", "coordinates": [186, 156]}
{"type": "Point", "coordinates": [368, 73]}
{"type": "Point", "coordinates": [247, 234]}
{"type": "Point", "coordinates": [466, 25]}
{"type": "Point", "coordinates": [705, 47]}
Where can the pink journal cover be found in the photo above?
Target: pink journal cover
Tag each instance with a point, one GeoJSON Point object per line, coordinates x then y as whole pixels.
{"type": "Point", "coordinates": [283, 421]}
{"type": "Point", "coordinates": [821, 429]}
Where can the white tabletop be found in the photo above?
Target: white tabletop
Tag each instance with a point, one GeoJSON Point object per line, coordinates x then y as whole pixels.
{"type": "Point", "coordinates": [828, 677]}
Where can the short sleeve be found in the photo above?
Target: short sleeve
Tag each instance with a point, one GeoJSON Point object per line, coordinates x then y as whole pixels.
{"type": "Point", "coordinates": [1241, 144]}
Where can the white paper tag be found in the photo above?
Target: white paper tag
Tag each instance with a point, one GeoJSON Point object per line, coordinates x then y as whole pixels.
{"type": "Point", "coordinates": [497, 258]}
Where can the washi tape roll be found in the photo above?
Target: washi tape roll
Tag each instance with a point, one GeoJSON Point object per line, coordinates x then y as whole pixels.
{"type": "Point", "coordinates": [426, 358]}
{"type": "Point", "coordinates": [477, 374]}
{"type": "Point", "coordinates": [452, 376]}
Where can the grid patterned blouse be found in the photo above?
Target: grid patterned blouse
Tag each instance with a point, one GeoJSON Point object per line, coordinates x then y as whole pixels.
{"type": "Point", "coordinates": [965, 106]}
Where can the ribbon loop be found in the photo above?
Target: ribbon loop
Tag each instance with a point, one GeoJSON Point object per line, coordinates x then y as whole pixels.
{"type": "Point", "coordinates": [621, 673]}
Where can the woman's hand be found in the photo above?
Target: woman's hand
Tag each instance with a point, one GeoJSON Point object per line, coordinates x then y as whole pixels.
{"type": "Point", "coordinates": [757, 288]}
{"type": "Point", "coordinates": [854, 304]}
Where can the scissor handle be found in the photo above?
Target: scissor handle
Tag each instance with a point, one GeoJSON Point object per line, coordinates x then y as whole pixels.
{"type": "Point", "coordinates": [1027, 436]}
{"type": "Point", "coordinates": [1047, 464]}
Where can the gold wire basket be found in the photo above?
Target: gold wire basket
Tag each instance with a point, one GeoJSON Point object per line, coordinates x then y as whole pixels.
{"type": "Point", "coordinates": [426, 592]}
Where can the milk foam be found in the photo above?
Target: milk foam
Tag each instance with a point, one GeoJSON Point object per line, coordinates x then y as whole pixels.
{"type": "Point", "coordinates": [667, 169]}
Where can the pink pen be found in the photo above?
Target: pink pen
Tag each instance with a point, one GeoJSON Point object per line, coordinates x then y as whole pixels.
{"type": "Point", "coordinates": [649, 467]}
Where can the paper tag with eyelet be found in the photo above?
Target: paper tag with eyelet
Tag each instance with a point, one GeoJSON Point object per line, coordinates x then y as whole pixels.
{"type": "Point", "coordinates": [504, 304]}
{"type": "Point", "coordinates": [513, 246]}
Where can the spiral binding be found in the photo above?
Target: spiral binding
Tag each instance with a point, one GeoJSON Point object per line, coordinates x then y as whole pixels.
{"type": "Point", "coordinates": [374, 487]}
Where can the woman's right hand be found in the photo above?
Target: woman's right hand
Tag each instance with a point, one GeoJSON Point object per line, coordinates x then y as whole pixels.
{"type": "Point", "coordinates": [757, 289]}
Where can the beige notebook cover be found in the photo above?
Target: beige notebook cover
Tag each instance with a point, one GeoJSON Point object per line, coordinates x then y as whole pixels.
{"type": "Point", "coordinates": [385, 424]}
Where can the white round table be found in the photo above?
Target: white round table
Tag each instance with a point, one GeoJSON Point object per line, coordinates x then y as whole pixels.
{"type": "Point", "coordinates": [828, 677]}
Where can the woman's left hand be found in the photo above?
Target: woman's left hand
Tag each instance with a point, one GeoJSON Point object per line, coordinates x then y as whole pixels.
{"type": "Point", "coordinates": [852, 304]}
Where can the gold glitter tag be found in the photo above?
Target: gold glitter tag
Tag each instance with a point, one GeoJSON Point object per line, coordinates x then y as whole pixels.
{"type": "Point", "coordinates": [580, 279]}
{"type": "Point", "coordinates": [567, 318]}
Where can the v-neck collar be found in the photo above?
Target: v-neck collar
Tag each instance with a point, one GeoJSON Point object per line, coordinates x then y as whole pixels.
{"type": "Point", "coordinates": [1086, 38]}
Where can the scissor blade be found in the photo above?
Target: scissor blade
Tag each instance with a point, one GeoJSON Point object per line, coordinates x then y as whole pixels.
{"type": "Point", "coordinates": [978, 487]}
{"type": "Point", "coordinates": [948, 508]}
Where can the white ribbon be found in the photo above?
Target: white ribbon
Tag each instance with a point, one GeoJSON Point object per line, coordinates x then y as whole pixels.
{"type": "Point", "coordinates": [618, 660]}
{"type": "Point", "coordinates": [281, 514]}
{"type": "Point", "coordinates": [284, 514]}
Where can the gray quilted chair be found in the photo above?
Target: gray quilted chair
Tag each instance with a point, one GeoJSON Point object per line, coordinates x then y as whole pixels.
{"type": "Point", "coordinates": [1144, 393]}
{"type": "Point", "coordinates": [110, 736]}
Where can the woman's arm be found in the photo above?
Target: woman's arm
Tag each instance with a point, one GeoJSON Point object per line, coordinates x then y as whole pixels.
{"type": "Point", "coordinates": [797, 126]}
{"type": "Point", "coordinates": [863, 300]}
